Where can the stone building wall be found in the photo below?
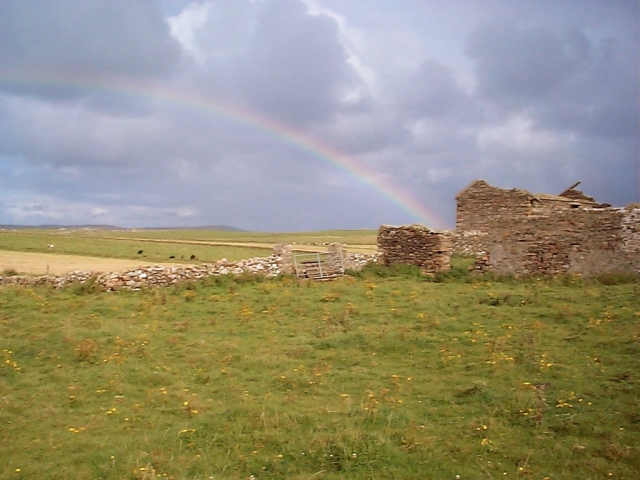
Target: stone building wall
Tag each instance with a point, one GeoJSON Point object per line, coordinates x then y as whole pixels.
{"type": "Point", "coordinates": [631, 229]}
{"type": "Point", "coordinates": [482, 208]}
{"type": "Point", "coordinates": [415, 245]}
{"type": "Point", "coordinates": [589, 242]}
{"type": "Point", "coordinates": [545, 234]}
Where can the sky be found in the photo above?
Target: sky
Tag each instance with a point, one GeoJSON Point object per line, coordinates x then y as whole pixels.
{"type": "Point", "coordinates": [295, 115]}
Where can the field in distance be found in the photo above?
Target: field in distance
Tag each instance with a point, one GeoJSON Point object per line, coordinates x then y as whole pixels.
{"type": "Point", "coordinates": [161, 246]}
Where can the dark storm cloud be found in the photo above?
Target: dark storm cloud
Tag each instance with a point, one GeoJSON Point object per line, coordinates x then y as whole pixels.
{"type": "Point", "coordinates": [564, 80]}
{"type": "Point", "coordinates": [516, 66]}
{"type": "Point", "coordinates": [602, 97]}
{"type": "Point", "coordinates": [82, 38]}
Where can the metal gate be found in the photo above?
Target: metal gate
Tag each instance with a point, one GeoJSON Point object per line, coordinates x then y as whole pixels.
{"type": "Point", "coordinates": [319, 266]}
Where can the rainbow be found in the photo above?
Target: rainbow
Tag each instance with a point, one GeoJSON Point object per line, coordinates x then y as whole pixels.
{"type": "Point", "coordinates": [393, 193]}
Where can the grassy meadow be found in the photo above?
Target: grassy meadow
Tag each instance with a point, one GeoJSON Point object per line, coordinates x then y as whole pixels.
{"type": "Point", "coordinates": [108, 246]}
{"type": "Point", "coordinates": [173, 245]}
{"type": "Point", "coordinates": [350, 237]}
{"type": "Point", "coordinates": [382, 374]}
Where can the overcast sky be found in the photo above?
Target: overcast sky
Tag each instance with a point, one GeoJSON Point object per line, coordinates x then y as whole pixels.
{"type": "Point", "coordinates": [288, 115]}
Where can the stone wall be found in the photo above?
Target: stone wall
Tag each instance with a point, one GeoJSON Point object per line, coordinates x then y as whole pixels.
{"type": "Point", "coordinates": [157, 276]}
{"type": "Point", "coordinates": [482, 208]}
{"type": "Point", "coordinates": [415, 245]}
{"type": "Point", "coordinates": [469, 243]}
{"type": "Point", "coordinates": [516, 232]}
{"type": "Point", "coordinates": [285, 254]}
{"type": "Point", "coordinates": [630, 222]}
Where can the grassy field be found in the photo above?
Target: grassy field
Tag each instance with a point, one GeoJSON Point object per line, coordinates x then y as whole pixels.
{"type": "Point", "coordinates": [351, 237]}
{"type": "Point", "coordinates": [385, 374]}
{"type": "Point", "coordinates": [103, 245]}
{"type": "Point", "coordinates": [161, 245]}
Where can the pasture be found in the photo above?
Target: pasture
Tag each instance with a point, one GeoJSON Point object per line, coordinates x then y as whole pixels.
{"type": "Point", "coordinates": [381, 374]}
{"type": "Point", "coordinates": [145, 247]}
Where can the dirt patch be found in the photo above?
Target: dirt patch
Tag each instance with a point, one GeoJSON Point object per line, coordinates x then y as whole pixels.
{"type": "Point", "coordinates": [38, 263]}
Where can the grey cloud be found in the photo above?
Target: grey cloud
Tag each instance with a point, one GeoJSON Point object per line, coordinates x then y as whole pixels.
{"type": "Point", "coordinates": [602, 98]}
{"type": "Point", "coordinates": [565, 81]}
{"type": "Point", "coordinates": [295, 68]}
{"type": "Point", "coordinates": [62, 135]}
{"type": "Point", "coordinates": [372, 130]}
{"type": "Point", "coordinates": [228, 29]}
{"type": "Point", "coordinates": [432, 91]}
{"type": "Point", "coordinates": [515, 66]}
{"type": "Point", "coordinates": [274, 58]}
{"type": "Point", "coordinates": [431, 95]}
{"type": "Point", "coordinates": [42, 43]}
{"type": "Point", "coordinates": [421, 127]}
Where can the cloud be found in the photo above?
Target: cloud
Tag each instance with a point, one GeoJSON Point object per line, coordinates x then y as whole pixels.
{"type": "Point", "coordinates": [60, 134]}
{"type": "Point", "coordinates": [186, 24]}
{"type": "Point", "coordinates": [562, 80]}
{"type": "Point", "coordinates": [45, 47]}
{"type": "Point", "coordinates": [295, 69]}
{"type": "Point", "coordinates": [516, 66]}
{"type": "Point", "coordinates": [225, 112]}
{"type": "Point", "coordinates": [602, 97]}
{"type": "Point", "coordinates": [430, 92]}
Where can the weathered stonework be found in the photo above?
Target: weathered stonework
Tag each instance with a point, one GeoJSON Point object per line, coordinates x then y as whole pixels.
{"type": "Point", "coordinates": [415, 245]}
{"type": "Point", "coordinates": [514, 231]}
{"type": "Point", "coordinates": [285, 253]}
{"type": "Point", "coordinates": [158, 276]}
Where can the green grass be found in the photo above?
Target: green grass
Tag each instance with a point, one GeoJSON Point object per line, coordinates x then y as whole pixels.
{"type": "Point", "coordinates": [383, 375]}
{"type": "Point", "coordinates": [79, 243]}
{"type": "Point", "coordinates": [160, 245]}
{"type": "Point", "coordinates": [360, 237]}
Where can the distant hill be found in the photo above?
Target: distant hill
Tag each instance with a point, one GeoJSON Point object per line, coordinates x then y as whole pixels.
{"type": "Point", "coordinates": [224, 228]}
{"type": "Point", "coordinates": [219, 228]}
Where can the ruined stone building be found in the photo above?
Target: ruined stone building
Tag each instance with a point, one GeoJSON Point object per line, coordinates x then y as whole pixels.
{"type": "Point", "coordinates": [515, 231]}
{"type": "Point", "coordinates": [415, 245]}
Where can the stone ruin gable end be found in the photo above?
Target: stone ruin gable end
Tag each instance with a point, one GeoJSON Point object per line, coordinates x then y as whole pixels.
{"type": "Point", "coordinates": [486, 213]}
{"type": "Point", "coordinates": [482, 207]}
{"type": "Point", "coordinates": [482, 210]}
{"type": "Point", "coordinates": [415, 245]}
{"type": "Point", "coordinates": [585, 241]}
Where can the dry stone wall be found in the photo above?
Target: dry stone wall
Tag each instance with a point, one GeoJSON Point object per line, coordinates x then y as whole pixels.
{"type": "Point", "coordinates": [482, 208]}
{"type": "Point", "coordinates": [158, 276]}
{"type": "Point", "coordinates": [415, 245]}
{"type": "Point", "coordinates": [513, 231]}
{"type": "Point", "coordinates": [630, 223]}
